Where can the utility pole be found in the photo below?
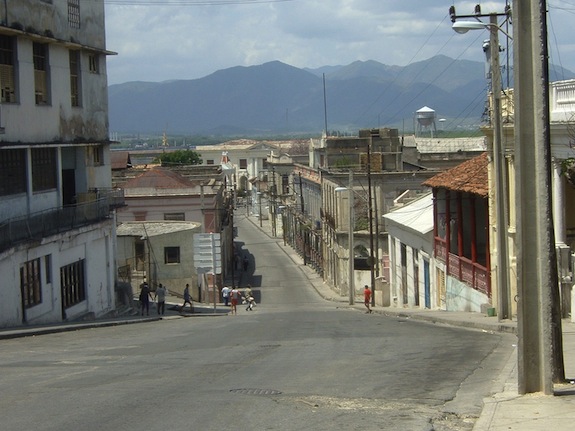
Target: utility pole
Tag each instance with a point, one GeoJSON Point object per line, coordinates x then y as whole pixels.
{"type": "Point", "coordinates": [273, 203]}
{"type": "Point", "coordinates": [370, 216]}
{"type": "Point", "coordinates": [351, 268]}
{"type": "Point", "coordinates": [540, 346]}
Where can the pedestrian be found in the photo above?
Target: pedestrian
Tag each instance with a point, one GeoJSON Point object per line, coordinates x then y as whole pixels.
{"type": "Point", "coordinates": [246, 263]}
{"type": "Point", "coordinates": [367, 298]}
{"type": "Point", "coordinates": [226, 295]}
{"type": "Point", "coordinates": [160, 295]}
{"type": "Point", "coordinates": [144, 298]}
{"type": "Point", "coordinates": [235, 296]}
{"type": "Point", "coordinates": [187, 299]}
{"type": "Point", "coordinates": [249, 298]}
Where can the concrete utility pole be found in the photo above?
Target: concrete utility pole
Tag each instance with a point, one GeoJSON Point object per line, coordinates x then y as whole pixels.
{"type": "Point", "coordinates": [540, 349]}
{"type": "Point", "coordinates": [503, 290]}
{"type": "Point", "coordinates": [351, 268]}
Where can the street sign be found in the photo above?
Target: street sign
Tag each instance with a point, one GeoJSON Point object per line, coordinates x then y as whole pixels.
{"type": "Point", "coordinates": [207, 253]}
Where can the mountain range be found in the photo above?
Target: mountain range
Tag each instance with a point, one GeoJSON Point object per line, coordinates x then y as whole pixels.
{"type": "Point", "coordinates": [276, 98]}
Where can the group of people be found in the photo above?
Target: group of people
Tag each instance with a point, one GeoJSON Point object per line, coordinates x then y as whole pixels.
{"type": "Point", "coordinates": [232, 296]}
{"type": "Point", "coordinates": [160, 296]}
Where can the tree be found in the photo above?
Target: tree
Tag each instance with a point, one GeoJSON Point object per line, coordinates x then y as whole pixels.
{"type": "Point", "coordinates": [179, 157]}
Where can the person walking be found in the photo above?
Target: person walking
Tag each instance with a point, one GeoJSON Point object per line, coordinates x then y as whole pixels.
{"type": "Point", "coordinates": [367, 298]}
{"type": "Point", "coordinates": [249, 298]}
{"type": "Point", "coordinates": [160, 295]}
{"type": "Point", "coordinates": [226, 295]}
{"type": "Point", "coordinates": [187, 299]}
{"type": "Point", "coordinates": [144, 298]}
{"type": "Point", "coordinates": [235, 296]}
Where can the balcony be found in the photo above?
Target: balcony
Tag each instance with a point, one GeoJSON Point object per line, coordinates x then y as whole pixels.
{"type": "Point", "coordinates": [92, 207]}
{"type": "Point", "coordinates": [471, 273]}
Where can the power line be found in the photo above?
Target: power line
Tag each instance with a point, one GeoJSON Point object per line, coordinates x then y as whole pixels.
{"type": "Point", "coordinates": [189, 2]}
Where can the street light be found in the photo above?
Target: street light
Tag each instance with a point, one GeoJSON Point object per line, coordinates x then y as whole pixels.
{"type": "Point", "coordinates": [351, 282]}
{"type": "Point", "coordinates": [503, 289]}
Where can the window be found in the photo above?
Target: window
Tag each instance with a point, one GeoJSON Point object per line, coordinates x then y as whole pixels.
{"type": "Point", "coordinates": [243, 163]}
{"type": "Point", "coordinates": [74, 13]}
{"type": "Point", "coordinates": [12, 172]}
{"type": "Point", "coordinates": [48, 268]}
{"type": "Point", "coordinates": [7, 71]}
{"type": "Point", "coordinates": [30, 283]}
{"type": "Point", "coordinates": [73, 283]}
{"type": "Point", "coordinates": [40, 51]}
{"type": "Point", "coordinates": [75, 78]}
{"type": "Point", "coordinates": [96, 154]}
{"type": "Point", "coordinates": [43, 169]}
{"type": "Point", "coordinates": [209, 162]}
{"type": "Point", "coordinates": [93, 63]}
{"type": "Point", "coordinates": [171, 255]}
{"type": "Point", "coordinates": [175, 216]}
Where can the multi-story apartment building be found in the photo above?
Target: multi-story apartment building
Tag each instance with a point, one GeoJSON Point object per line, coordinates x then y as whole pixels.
{"type": "Point", "coordinates": [56, 235]}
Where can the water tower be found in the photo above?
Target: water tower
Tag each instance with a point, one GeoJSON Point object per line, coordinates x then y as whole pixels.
{"type": "Point", "coordinates": [425, 121]}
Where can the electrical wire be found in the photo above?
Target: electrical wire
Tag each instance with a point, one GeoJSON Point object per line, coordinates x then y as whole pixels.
{"type": "Point", "coordinates": [189, 2]}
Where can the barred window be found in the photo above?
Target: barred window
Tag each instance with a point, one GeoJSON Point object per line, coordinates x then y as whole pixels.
{"type": "Point", "coordinates": [74, 13]}
{"type": "Point", "coordinates": [75, 78]}
{"type": "Point", "coordinates": [73, 283]}
{"type": "Point", "coordinates": [31, 283]}
{"type": "Point", "coordinates": [41, 73]}
{"type": "Point", "coordinates": [12, 172]}
{"type": "Point", "coordinates": [43, 169]}
{"type": "Point", "coordinates": [171, 255]}
{"type": "Point", "coordinates": [7, 70]}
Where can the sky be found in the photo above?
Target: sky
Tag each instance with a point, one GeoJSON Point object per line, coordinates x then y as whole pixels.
{"type": "Point", "coordinates": [160, 40]}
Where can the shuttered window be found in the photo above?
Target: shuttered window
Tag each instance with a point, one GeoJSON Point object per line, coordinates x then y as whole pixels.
{"type": "Point", "coordinates": [41, 73]}
{"type": "Point", "coordinates": [7, 70]}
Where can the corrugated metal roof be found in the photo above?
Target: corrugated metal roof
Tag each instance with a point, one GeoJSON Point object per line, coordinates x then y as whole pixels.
{"type": "Point", "coordinates": [154, 228]}
{"type": "Point", "coordinates": [469, 177]}
{"type": "Point", "coordinates": [417, 215]}
{"type": "Point", "coordinates": [451, 145]}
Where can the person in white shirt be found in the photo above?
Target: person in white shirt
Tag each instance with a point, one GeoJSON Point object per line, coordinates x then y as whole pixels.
{"type": "Point", "coordinates": [226, 295]}
{"type": "Point", "coordinates": [161, 292]}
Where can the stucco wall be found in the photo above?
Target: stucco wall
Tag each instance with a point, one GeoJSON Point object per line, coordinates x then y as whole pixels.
{"type": "Point", "coordinates": [95, 244]}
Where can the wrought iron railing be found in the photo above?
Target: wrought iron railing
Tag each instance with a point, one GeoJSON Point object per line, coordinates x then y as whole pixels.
{"type": "Point", "coordinates": [92, 207]}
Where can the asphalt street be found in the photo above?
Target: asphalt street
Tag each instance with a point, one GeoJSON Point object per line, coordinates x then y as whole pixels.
{"type": "Point", "coordinates": [297, 362]}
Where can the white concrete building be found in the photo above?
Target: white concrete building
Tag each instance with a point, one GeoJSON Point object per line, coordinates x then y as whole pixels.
{"type": "Point", "coordinates": [410, 230]}
{"type": "Point", "coordinates": [57, 239]}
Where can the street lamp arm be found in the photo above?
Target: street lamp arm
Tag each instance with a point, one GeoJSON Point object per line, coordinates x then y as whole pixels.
{"type": "Point", "coordinates": [462, 27]}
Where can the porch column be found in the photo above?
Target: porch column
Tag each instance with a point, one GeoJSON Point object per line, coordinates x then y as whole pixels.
{"type": "Point", "coordinates": [558, 200]}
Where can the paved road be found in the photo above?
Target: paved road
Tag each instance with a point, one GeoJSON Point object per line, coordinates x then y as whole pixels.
{"type": "Point", "coordinates": [295, 363]}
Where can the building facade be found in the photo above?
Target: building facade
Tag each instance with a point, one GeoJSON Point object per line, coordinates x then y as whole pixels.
{"type": "Point", "coordinates": [57, 236]}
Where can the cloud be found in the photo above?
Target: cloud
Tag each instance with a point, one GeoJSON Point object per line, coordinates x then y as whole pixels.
{"type": "Point", "coordinates": [161, 42]}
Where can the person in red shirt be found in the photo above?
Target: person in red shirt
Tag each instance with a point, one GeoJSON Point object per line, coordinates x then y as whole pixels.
{"type": "Point", "coordinates": [367, 298]}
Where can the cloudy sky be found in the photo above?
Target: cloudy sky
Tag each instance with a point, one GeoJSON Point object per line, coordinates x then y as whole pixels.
{"type": "Point", "coordinates": [158, 40]}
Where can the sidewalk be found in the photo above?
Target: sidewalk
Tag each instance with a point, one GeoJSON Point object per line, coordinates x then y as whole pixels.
{"type": "Point", "coordinates": [173, 305]}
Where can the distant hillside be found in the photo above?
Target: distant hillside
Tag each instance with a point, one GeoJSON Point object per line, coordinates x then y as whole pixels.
{"type": "Point", "coordinates": [275, 98]}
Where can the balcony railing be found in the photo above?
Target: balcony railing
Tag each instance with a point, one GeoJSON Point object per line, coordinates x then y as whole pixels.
{"type": "Point", "coordinates": [92, 207]}
{"type": "Point", "coordinates": [463, 269]}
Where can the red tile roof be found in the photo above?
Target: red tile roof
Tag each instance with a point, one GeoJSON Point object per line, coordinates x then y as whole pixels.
{"type": "Point", "coordinates": [468, 177]}
{"type": "Point", "coordinates": [159, 178]}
